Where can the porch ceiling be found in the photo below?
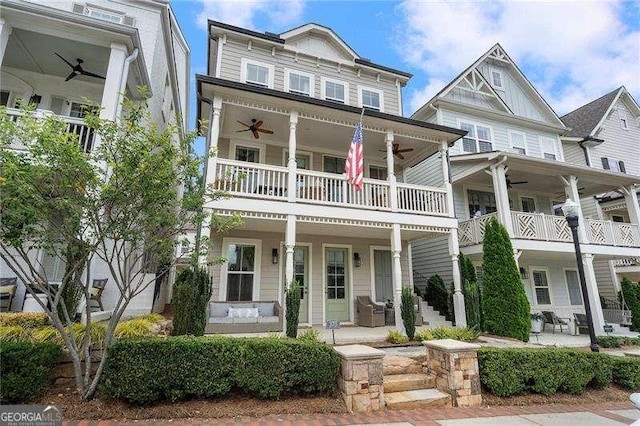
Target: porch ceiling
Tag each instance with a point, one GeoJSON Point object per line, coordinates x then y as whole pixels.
{"type": "Point", "coordinates": [543, 176]}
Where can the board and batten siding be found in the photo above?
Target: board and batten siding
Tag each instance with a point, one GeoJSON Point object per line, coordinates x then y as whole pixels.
{"type": "Point", "coordinates": [459, 94]}
{"type": "Point", "coordinates": [235, 50]}
{"type": "Point", "coordinates": [573, 153]}
{"type": "Point", "coordinates": [619, 143]}
{"type": "Point", "coordinates": [430, 257]}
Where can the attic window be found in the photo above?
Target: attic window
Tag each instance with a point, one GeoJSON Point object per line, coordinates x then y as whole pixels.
{"type": "Point", "coordinates": [622, 114]}
{"type": "Point", "coordinates": [496, 79]}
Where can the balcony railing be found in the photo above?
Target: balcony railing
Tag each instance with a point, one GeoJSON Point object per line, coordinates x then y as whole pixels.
{"type": "Point", "coordinates": [242, 179]}
{"type": "Point", "coordinates": [86, 135]}
{"type": "Point", "coordinates": [544, 227]}
{"type": "Point", "coordinates": [630, 261]}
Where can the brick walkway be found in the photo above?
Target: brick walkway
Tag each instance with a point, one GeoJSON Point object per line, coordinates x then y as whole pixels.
{"type": "Point", "coordinates": [402, 417]}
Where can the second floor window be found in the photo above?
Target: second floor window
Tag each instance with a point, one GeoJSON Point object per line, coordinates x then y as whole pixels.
{"type": "Point", "coordinates": [478, 138]}
{"type": "Point", "coordinates": [300, 83]}
{"type": "Point", "coordinates": [548, 147]}
{"type": "Point", "coordinates": [250, 155]}
{"type": "Point", "coordinates": [377, 172]}
{"type": "Point", "coordinates": [256, 73]}
{"type": "Point", "coordinates": [334, 164]}
{"type": "Point", "coordinates": [613, 164]}
{"type": "Point", "coordinates": [371, 98]}
{"type": "Point", "coordinates": [518, 142]}
{"type": "Point", "coordinates": [334, 91]}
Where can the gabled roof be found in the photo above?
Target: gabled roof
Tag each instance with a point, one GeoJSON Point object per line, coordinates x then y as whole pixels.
{"type": "Point", "coordinates": [498, 53]}
{"type": "Point", "coordinates": [586, 120]}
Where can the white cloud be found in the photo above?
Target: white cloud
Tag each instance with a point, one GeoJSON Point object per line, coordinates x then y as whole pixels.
{"type": "Point", "coordinates": [245, 13]}
{"type": "Point", "coordinates": [572, 52]}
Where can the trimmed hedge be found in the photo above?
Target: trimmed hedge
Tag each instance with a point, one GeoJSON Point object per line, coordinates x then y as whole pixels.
{"type": "Point", "coordinates": [146, 370]}
{"type": "Point", "coordinates": [513, 371]}
{"type": "Point", "coordinates": [27, 368]}
{"type": "Point", "coordinates": [617, 341]}
{"type": "Point", "coordinates": [626, 372]}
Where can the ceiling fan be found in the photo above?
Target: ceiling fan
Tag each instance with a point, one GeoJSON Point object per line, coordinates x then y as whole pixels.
{"type": "Point", "coordinates": [510, 183]}
{"type": "Point", "coordinates": [255, 127]}
{"type": "Point", "coordinates": [397, 151]}
{"type": "Point", "coordinates": [77, 70]}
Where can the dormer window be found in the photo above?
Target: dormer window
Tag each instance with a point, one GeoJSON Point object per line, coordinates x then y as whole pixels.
{"type": "Point", "coordinates": [370, 98]}
{"type": "Point", "coordinates": [334, 90]}
{"type": "Point", "coordinates": [299, 82]}
{"type": "Point", "coordinates": [622, 114]}
{"type": "Point", "coordinates": [256, 73]}
{"type": "Point", "coordinates": [496, 79]}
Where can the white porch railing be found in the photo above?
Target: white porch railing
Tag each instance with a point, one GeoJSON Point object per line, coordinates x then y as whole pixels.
{"type": "Point", "coordinates": [540, 226]}
{"type": "Point", "coordinates": [629, 261]}
{"type": "Point", "coordinates": [416, 198]}
{"type": "Point", "coordinates": [471, 231]}
{"type": "Point", "coordinates": [608, 233]}
{"type": "Point", "coordinates": [85, 134]}
{"type": "Point", "coordinates": [250, 179]}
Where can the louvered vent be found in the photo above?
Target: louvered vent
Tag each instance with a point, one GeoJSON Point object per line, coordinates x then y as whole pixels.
{"type": "Point", "coordinates": [128, 20]}
{"type": "Point", "coordinates": [78, 8]}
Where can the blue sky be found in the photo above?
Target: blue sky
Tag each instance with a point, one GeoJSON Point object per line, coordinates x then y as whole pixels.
{"type": "Point", "coordinates": [572, 51]}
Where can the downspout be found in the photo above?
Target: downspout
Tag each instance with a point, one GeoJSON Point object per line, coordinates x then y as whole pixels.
{"type": "Point", "coordinates": [123, 79]}
{"type": "Point", "coordinates": [584, 151]}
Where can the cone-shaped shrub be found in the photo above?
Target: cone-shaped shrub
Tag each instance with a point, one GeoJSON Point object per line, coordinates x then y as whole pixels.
{"type": "Point", "coordinates": [407, 312]}
{"type": "Point", "coordinates": [471, 291]}
{"type": "Point", "coordinates": [504, 302]}
{"type": "Point", "coordinates": [192, 291]}
{"type": "Point", "coordinates": [292, 306]}
{"type": "Point", "coordinates": [631, 292]}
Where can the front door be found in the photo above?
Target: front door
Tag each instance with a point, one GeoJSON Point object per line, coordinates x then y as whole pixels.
{"type": "Point", "coordinates": [383, 275]}
{"type": "Point", "coordinates": [337, 286]}
{"type": "Point", "coordinates": [301, 274]}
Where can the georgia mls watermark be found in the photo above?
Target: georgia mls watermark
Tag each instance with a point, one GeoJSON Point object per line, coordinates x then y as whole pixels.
{"type": "Point", "coordinates": [30, 415]}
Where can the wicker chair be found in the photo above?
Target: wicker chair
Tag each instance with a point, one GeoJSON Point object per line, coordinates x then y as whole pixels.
{"type": "Point", "coordinates": [7, 292]}
{"type": "Point", "coordinates": [370, 314]}
{"type": "Point", "coordinates": [551, 318]}
{"type": "Point", "coordinates": [581, 323]}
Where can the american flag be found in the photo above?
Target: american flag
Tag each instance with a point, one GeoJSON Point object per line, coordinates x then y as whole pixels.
{"type": "Point", "coordinates": [354, 165]}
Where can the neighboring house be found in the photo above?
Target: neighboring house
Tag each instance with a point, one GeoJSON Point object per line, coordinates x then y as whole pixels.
{"type": "Point", "coordinates": [283, 109]}
{"type": "Point", "coordinates": [511, 165]}
{"type": "Point", "coordinates": [605, 134]}
{"type": "Point", "coordinates": [119, 45]}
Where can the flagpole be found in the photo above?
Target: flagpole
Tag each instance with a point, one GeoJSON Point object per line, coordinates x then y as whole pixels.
{"type": "Point", "coordinates": [361, 115]}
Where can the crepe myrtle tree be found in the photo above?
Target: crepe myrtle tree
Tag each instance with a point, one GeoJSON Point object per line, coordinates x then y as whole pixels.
{"type": "Point", "coordinates": [120, 203]}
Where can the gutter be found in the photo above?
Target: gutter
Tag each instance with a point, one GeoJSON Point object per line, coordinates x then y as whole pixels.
{"type": "Point", "coordinates": [123, 79]}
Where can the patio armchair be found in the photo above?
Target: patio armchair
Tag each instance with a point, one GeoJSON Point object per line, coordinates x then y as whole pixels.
{"type": "Point", "coordinates": [370, 314]}
{"type": "Point", "coordinates": [551, 318]}
{"type": "Point", "coordinates": [7, 292]}
{"type": "Point", "coordinates": [581, 323]}
{"type": "Point", "coordinates": [96, 291]}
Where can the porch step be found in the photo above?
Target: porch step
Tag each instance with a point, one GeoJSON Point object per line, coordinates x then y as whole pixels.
{"type": "Point", "coordinates": [407, 382]}
{"type": "Point", "coordinates": [432, 318]}
{"type": "Point", "coordinates": [423, 398]}
{"type": "Point", "coordinates": [398, 365]}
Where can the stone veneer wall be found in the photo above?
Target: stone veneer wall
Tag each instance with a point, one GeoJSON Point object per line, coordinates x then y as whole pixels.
{"type": "Point", "coordinates": [360, 379]}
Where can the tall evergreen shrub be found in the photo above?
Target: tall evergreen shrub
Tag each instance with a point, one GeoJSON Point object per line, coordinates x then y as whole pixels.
{"type": "Point", "coordinates": [192, 292]}
{"type": "Point", "coordinates": [504, 302]}
{"type": "Point", "coordinates": [471, 291]}
{"type": "Point", "coordinates": [437, 296]}
{"type": "Point", "coordinates": [292, 307]}
{"type": "Point", "coordinates": [408, 312]}
{"type": "Point", "coordinates": [631, 293]}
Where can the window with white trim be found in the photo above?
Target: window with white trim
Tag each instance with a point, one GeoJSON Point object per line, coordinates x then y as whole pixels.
{"type": "Point", "coordinates": [478, 138]}
{"type": "Point", "coordinates": [248, 154]}
{"type": "Point", "coordinates": [622, 115]}
{"type": "Point", "coordinates": [573, 287]}
{"type": "Point", "coordinates": [378, 172]}
{"type": "Point", "coordinates": [549, 149]}
{"type": "Point", "coordinates": [334, 90]}
{"type": "Point", "coordinates": [518, 142]}
{"type": "Point", "coordinates": [370, 98]}
{"type": "Point", "coordinates": [299, 82]}
{"type": "Point", "coordinates": [241, 259]}
{"type": "Point", "coordinates": [496, 79]}
{"type": "Point", "coordinates": [613, 164]}
{"type": "Point", "coordinates": [541, 286]}
{"type": "Point", "coordinates": [184, 247]}
{"type": "Point", "coordinates": [256, 73]}
{"type": "Point", "coordinates": [528, 204]}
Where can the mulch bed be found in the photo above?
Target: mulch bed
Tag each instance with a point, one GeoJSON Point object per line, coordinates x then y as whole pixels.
{"type": "Point", "coordinates": [609, 394]}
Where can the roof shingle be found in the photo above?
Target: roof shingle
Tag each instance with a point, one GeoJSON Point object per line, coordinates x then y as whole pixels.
{"type": "Point", "coordinates": [584, 119]}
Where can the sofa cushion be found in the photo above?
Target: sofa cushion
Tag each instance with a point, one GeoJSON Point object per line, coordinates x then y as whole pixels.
{"type": "Point", "coordinates": [218, 309]}
{"type": "Point", "coordinates": [245, 320]}
{"type": "Point", "coordinates": [268, 319]}
{"type": "Point", "coordinates": [242, 305]}
{"type": "Point", "coordinates": [265, 308]}
{"type": "Point", "coordinates": [243, 312]}
{"type": "Point", "coordinates": [220, 320]}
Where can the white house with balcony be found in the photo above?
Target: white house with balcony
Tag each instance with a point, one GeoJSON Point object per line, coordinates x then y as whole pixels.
{"type": "Point", "coordinates": [282, 110]}
{"type": "Point", "coordinates": [62, 55]}
{"type": "Point", "coordinates": [511, 165]}
{"type": "Point", "coordinates": [605, 134]}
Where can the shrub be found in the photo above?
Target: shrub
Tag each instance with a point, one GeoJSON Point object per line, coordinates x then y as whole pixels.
{"type": "Point", "coordinates": [626, 372]}
{"type": "Point", "coordinates": [437, 296]}
{"type": "Point", "coordinates": [136, 327]}
{"type": "Point", "coordinates": [471, 291]}
{"type": "Point", "coordinates": [26, 369]}
{"type": "Point", "coordinates": [310, 334]}
{"type": "Point", "coordinates": [617, 341]}
{"type": "Point", "coordinates": [408, 312]}
{"type": "Point", "coordinates": [13, 333]}
{"type": "Point", "coordinates": [192, 291]}
{"type": "Point", "coordinates": [151, 369]}
{"type": "Point", "coordinates": [631, 294]}
{"type": "Point", "coordinates": [24, 319]}
{"type": "Point", "coordinates": [292, 308]}
{"type": "Point", "coordinates": [507, 372]}
{"type": "Point", "coordinates": [462, 334]}
{"type": "Point", "coordinates": [395, 336]}
{"type": "Point", "coordinates": [504, 302]}
{"type": "Point", "coordinates": [153, 317]}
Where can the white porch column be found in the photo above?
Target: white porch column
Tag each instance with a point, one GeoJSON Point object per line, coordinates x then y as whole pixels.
{"type": "Point", "coordinates": [290, 244]}
{"type": "Point", "coordinates": [5, 32]}
{"type": "Point", "coordinates": [112, 82]}
{"type": "Point", "coordinates": [212, 135]}
{"type": "Point", "coordinates": [396, 249]}
{"type": "Point", "coordinates": [633, 208]}
{"type": "Point", "coordinates": [391, 174]}
{"type": "Point", "coordinates": [571, 189]}
{"type": "Point", "coordinates": [292, 181]}
{"type": "Point", "coordinates": [444, 150]}
{"type": "Point", "coordinates": [498, 176]}
{"type": "Point", "coordinates": [594, 296]}
{"type": "Point", "coordinates": [459, 311]}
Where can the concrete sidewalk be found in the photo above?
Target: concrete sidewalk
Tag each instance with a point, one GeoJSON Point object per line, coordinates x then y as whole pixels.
{"type": "Point", "coordinates": [608, 413]}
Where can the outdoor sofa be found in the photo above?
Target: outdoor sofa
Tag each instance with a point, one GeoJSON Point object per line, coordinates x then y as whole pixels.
{"type": "Point", "coordinates": [244, 317]}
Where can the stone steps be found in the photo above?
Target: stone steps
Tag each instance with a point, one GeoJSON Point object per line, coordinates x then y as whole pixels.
{"type": "Point", "coordinates": [423, 398]}
{"type": "Point", "coordinates": [394, 365]}
{"type": "Point", "coordinates": [432, 318]}
{"type": "Point", "coordinates": [407, 382]}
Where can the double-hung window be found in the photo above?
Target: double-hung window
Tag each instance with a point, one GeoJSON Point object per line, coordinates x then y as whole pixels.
{"type": "Point", "coordinates": [573, 286]}
{"type": "Point", "coordinates": [518, 142]}
{"type": "Point", "coordinates": [478, 138]}
{"type": "Point", "coordinates": [549, 148]}
{"type": "Point", "coordinates": [370, 98]}
{"type": "Point", "coordinates": [496, 79]}
{"type": "Point", "coordinates": [613, 164]}
{"type": "Point", "coordinates": [241, 271]}
{"type": "Point", "coordinates": [256, 73]}
{"type": "Point", "coordinates": [299, 82]}
{"type": "Point", "coordinates": [541, 287]}
{"type": "Point", "coordinates": [334, 90]}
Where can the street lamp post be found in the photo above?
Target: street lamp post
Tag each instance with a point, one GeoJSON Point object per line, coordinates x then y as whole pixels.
{"type": "Point", "coordinates": [571, 211]}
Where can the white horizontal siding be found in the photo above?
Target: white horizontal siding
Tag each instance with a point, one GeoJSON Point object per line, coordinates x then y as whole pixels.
{"type": "Point", "coordinates": [573, 153]}
{"type": "Point", "coordinates": [604, 279]}
{"type": "Point", "coordinates": [431, 257]}
{"type": "Point", "coordinates": [428, 172]}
